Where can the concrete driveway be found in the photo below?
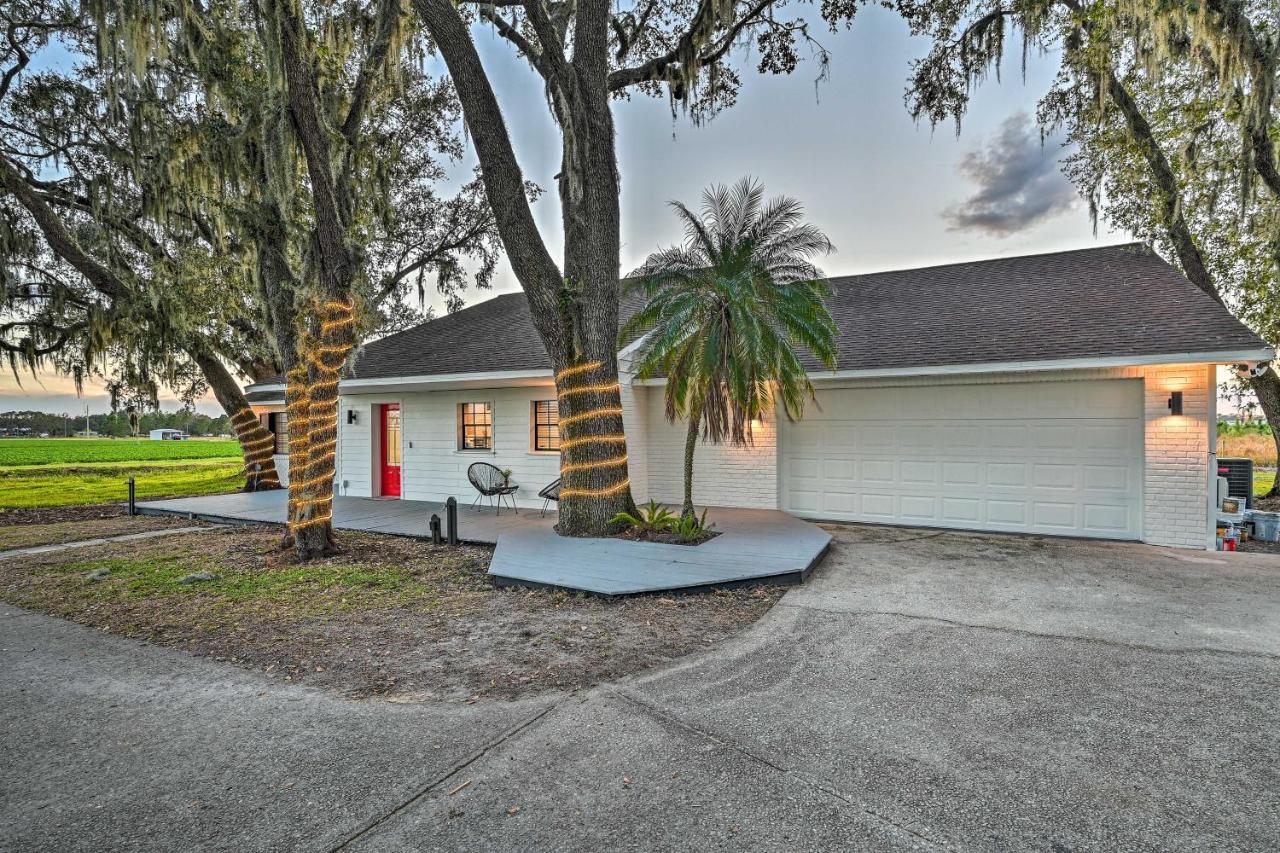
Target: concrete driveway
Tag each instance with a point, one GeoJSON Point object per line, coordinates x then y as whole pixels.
{"type": "Point", "coordinates": [924, 690]}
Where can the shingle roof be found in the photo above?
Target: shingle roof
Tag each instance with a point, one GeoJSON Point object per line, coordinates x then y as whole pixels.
{"type": "Point", "coordinates": [497, 334]}
{"type": "Point", "coordinates": [1112, 301]}
{"type": "Point", "coordinates": [1090, 303]}
{"type": "Point", "coordinates": [264, 396]}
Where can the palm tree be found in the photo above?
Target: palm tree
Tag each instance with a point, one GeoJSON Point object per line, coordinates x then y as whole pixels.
{"type": "Point", "coordinates": [725, 312]}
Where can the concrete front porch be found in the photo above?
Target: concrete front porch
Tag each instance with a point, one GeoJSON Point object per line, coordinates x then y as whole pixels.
{"type": "Point", "coordinates": [754, 545]}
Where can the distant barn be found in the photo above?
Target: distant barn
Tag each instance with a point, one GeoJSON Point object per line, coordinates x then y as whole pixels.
{"type": "Point", "coordinates": [168, 435]}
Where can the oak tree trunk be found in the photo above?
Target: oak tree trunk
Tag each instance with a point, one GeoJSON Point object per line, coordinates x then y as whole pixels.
{"type": "Point", "coordinates": [257, 443]}
{"type": "Point", "coordinates": [575, 312]}
{"type": "Point", "coordinates": [1267, 389]}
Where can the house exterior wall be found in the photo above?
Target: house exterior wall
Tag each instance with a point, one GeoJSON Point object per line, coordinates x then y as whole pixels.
{"type": "Point", "coordinates": [1177, 449]}
{"type": "Point", "coordinates": [722, 475]}
{"type": "Point", "coordinates": [432, 466]}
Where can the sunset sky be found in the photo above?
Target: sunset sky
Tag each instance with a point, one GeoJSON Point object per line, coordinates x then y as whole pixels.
{"type": "Point", "coordinates": [889, 194]}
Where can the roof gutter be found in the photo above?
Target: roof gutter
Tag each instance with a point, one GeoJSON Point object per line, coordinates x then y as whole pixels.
{"type": "Point", "coordinates": [1249, 357]}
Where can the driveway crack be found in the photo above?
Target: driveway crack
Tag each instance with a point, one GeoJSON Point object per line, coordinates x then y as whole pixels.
{"type": "Point", "coordinates": [372, 824]}
{"type": "Point", "coordinates": [817, 784]}
{"type": "Point", "coordinates": [1024, 632]}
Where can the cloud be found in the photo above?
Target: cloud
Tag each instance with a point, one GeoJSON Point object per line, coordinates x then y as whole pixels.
{"type": "Point", "coordinates": [1019, 182]}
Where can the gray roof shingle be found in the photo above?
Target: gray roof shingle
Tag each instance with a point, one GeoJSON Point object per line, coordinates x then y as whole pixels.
{"type": "Point", "coordinates": [1112, 301]}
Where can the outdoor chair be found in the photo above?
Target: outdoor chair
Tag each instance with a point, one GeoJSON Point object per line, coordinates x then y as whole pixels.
{"type": "Point", "coordinates": [490, 483]}
{"type": "Point", "coordinates": [550, 494]}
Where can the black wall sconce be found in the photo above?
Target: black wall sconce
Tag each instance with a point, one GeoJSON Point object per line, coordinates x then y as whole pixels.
{"type": "Point", "coordinates": [351, 416]}
{"type": "Point", "coordinates": [1175, 403]}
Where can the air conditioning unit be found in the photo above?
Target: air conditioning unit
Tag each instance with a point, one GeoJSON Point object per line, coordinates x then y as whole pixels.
{"type": "Point", "coordinates": [1239, 473]}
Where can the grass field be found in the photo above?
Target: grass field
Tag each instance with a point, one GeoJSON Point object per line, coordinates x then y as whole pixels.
{"type": "Point", "coordinates": [65, 472]}
{"type": "Point", "coordinates": [1253, 445]}
{"type": "Point", "coordinates": [63, 451]}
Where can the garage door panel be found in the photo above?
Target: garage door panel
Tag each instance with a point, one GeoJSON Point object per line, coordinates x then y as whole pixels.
{"type": "Point", "coordinates": [962, 510]}
{"type": "Point", "coordinates": [918, 472]}
{"type": "Point", "coordinates": [1051, 476]}
{"type": "Point", "coordinates": [1111, 478]}
{"type": "Point", "coordinates": [918, 508]}
{"type": "Point", "coordinates": [1055, 514]}
{"type": "Point", "coordinates": [878, 471]}
{"type": "Point", "coordinates": [1106, 517]}
{"type": "Point", "coordinates": [840, 502]}
{"type": "Point", "coordinates": [1007, 512]}
{"type": "Point", "coordinates": [961, 474]}
{"type": "Point", "coordinates": [1053, 457]}
{"type": "Point", "coordinates": [803, 469]}
{"type": "Point", "coordinates": [1007, 474]}
{"type": "Point", "coordinates": [879, 505]}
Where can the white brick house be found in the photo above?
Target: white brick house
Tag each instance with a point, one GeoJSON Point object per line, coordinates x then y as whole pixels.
{"type": "Point", "coordinates": [1027, 395]}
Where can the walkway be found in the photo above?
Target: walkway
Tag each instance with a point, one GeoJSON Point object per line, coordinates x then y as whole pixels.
{"type": "Point", "coordinates": [34, 550]}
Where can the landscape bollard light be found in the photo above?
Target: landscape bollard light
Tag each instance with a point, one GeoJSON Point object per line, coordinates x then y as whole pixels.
{"type": "Point", "coordinates": [435, 529]}
{"type": "Point", "coordinates": [451, 519]}
{"type": "Point", "coordinates": [133, 497]}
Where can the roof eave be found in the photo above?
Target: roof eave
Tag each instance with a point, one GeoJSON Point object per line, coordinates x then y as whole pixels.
{"type": "Point", "coordinates": [447, 381]}
{"type": "Point", "coordinates": [1244, 356]}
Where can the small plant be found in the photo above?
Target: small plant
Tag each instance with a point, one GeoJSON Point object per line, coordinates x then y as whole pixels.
{"type": "Point", "coordinates": [652, 517]}
{"type": "Point", "coordinates": [506, 475]}
{"type": "Point", "coordinates": [690, 527]}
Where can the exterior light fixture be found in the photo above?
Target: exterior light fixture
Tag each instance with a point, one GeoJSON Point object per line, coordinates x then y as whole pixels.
{"type": "Point", "coordinates": [1175, 403]}
{"type": "Point", "coordinates": [351, 416]}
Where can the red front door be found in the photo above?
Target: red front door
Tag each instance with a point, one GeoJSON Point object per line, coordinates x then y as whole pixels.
{"type": "Point", "coordinates": [391, 450]}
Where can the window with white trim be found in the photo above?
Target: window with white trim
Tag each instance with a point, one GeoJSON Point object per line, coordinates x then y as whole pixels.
{"type": "Point", "coordinates": [475, 426]}
{"type": "Point", "coordinates": [546, 425]}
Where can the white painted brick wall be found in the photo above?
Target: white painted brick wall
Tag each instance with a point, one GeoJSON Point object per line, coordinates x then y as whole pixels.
{"type": "Point", "coordinates": [722, 475]}
{"type": "Point", "coordinates": [1175, 488]}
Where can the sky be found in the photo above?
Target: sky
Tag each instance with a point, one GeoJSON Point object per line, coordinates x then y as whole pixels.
{"type": "Point", "coordinates": [889, 193]}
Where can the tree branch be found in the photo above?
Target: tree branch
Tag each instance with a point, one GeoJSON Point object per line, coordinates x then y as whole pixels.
{"type": "Point", "coordinates": [503, 180]}
{"type": "Point", "coordinates": [689, 43]}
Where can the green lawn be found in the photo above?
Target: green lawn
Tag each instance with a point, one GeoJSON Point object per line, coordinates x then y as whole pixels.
{"type": "Point", "coordinates": [67, 485]}
{"type": "Point", "coordinates": [1262, 481]}
{"type": "Point", "coordinates": [62, 451]}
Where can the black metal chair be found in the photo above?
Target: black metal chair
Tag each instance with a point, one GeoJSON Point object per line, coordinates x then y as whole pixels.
{"type": "Point", "coordinates": [550, 494]}
{"type": "Point", "coordinates": [490, 483]}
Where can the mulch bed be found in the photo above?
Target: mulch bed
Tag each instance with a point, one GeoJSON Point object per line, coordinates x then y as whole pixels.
{"type": "Point", "coordinates": [388, 616]}
{"type": "Point", "coordinates": [635, 534]}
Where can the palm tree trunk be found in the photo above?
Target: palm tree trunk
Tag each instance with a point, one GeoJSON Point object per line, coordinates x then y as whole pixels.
{"type": "Point", "coordinates": [690, 442]}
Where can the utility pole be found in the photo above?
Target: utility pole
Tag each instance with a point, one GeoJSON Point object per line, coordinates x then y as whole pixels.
{"type": "Point", "coordinates": [86, 420]}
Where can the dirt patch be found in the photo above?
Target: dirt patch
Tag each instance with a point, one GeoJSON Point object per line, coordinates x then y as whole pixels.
{"type": "Point", "coordinates": [28, 527]}
{"type": "Point", "coordinates": [388, 616]}
{"type": "Point", "coordinates": [56, 514]}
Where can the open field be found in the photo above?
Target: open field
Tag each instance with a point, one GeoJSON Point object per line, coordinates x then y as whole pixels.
{"type": "Point", "coordinates": [67, 485]}
{"type": "Point", "coordinates": [50, 472]}
{"type": "Point", "coordinates": [61, 451]}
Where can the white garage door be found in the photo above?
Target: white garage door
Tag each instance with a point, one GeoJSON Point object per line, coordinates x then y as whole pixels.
{"type": "Point", "coordinates": [1039, 457]}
